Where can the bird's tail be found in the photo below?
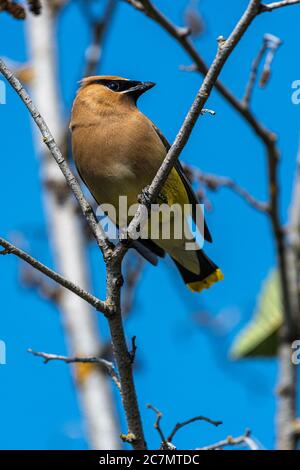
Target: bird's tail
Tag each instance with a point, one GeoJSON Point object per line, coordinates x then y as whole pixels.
{"type": "Point", "coordinates": [209, 273]}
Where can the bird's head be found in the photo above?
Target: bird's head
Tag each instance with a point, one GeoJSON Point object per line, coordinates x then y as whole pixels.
{"type": "Point", "coordinates": [114, 88]}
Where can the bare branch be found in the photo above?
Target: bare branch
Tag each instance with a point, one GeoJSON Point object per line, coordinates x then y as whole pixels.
{"type": "Point", "coordinates": [215, 182]}
{"type": "Point", "coordinates": [253, 73]}
{"type": "Point", "coordinates": [208, 111]}
{"type": "Point", "coordinates": [189, 421]}
{"type": "Point", "coordinates": [275, 5]}
{"type": "Point", "coordinates": [166, 443]}
{"type": "Point", "coordinates": [199, 65]}
{"type": "Point", "coordinates": [273, 44]}
{"type": "Point", "coordinates": [234, 441]}
{"type": "Point", "coordinates": [83, 360]}
{"type": "Point", "coordinates": [9, 248]}
{"type": "Point", "coordinates": [132, 353]}
{"type": "Point", "coordinates": [159, 415]}
{"type": "Point", "coordinates": [13, 8]}
{"type": "Point", "coordinates": [136, 4]}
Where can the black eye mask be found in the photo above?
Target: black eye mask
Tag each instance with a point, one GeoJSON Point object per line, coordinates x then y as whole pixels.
{"type": "Point", "coordinates": [117, 85]}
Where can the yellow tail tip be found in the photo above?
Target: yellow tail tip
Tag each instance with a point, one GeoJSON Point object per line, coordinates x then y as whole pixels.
{"type": "Point", "coordinates": [206, 283]}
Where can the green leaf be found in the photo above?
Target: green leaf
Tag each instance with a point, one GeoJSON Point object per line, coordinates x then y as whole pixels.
{"type": "Point", "coordinates": [260, 337]}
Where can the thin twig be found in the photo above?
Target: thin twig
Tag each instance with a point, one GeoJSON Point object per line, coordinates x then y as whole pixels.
{"type": "Point", "coordinates": [273, 44]}
{"type": "Point", "coordinates": [233, 441]}
{"type": "Point", "coordinates": [157, 426]}
{"type": "Point", "coordinates": [275, 5]}
{"type": "Point", "coordinates": [215, 182]}
{"type": "Point", "coordinates": [166, 443]}
{"type": "Point", "coordinates": [208, 111]}
{"type": "Point", "coordinates": [6, 251]}
{"type": "Point", "coordinates": [132, 352]}
{"type": "Point", "coordinates": [253, 73]}
{"type": "Point", "coordinates": [189, 421]}
{"type": "Point", "coordinates": [9, 248]}
{"type": "Point", "coordinates": [83, 360]}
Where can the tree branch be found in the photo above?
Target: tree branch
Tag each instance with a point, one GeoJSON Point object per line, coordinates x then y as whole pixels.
{"type": "Point", "coordinates": [166, 442]}
{"type": "Point", "coordinates": [82, 360]}
{"type": "Point", "coordinates": [159, 415]}
{"type": "Point", "coordinates": [253, 73]}
{"type": "Point", "coordinates": [178, 426]}
{"type": "Point", "coordinates": [268, 7]}
{"type": "Point", "coordinates": [234, 441]}
{"type": "Point", "coordinates": [9, 248]}
{"type": "Point", "coordinates": [215, 182]}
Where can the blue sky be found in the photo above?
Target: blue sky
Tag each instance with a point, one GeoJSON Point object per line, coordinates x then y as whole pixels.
{"type": "Point", "coordinates": [184, 367]}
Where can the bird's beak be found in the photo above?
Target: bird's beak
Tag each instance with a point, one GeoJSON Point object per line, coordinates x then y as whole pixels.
{"type": "Point", "coordinates": [139, 88]}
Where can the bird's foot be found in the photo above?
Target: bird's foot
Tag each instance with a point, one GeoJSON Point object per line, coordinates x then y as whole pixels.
{"type": "Point", "coordinates": [144, 197]}
{"type": "Point", "coordinates": [162, 199]}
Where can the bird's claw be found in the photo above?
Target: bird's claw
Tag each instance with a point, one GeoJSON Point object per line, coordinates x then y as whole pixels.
{"type": "Point", "coordinates": [144, 197]}
{"type": "Point", "coordinates": [162, 199]}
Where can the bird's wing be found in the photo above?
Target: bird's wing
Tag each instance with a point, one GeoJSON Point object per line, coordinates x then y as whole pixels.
{"type": "Point", "coordinates": [188, 187]}
{"type": "Point", "coordinates": [145, 248]}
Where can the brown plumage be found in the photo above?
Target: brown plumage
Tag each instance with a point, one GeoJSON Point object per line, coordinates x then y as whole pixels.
{"type": "Point", "coordinates": [118, 151]}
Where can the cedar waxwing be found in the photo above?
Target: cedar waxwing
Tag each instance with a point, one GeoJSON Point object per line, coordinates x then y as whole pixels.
{"type": "Point", "coordinates": [117, 151]}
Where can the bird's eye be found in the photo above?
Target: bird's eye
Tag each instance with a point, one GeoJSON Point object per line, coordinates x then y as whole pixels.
{"type": "Point", "coordinates": [114, 86]}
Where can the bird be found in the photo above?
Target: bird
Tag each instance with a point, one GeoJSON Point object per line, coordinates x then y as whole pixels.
{"type": "Point", "coordinates": [117, 151]}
